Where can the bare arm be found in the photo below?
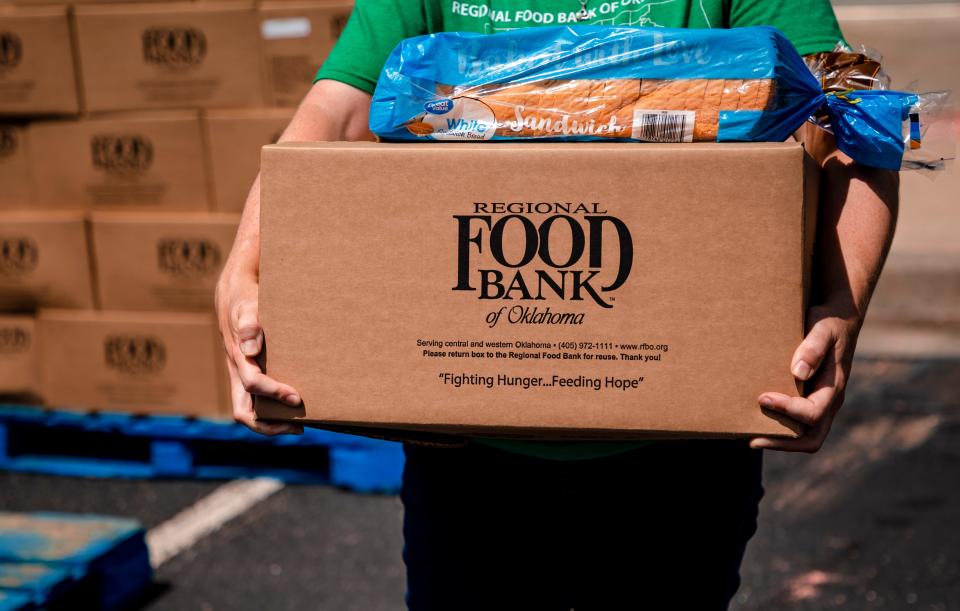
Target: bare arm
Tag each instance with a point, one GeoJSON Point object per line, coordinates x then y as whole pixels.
{"type": "Point", "coordinates": [330, 111]}
{"type": "Point", "coordinates": [857, 218]}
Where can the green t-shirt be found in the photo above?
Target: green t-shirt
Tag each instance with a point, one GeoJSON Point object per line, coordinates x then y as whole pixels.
{"type": "Point", "coordinates": [376, 26]}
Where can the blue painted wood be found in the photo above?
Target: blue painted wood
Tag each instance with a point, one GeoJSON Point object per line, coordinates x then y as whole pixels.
{"type": "Point", "coordinates": [39, 582]}
{"type": "Point", "coordinates": [175, 427]}
{"type": "Point", "coordinates": [171, 458]}
{"type": "Point", "coordinates": [367, 469]}
{"type": "Point", "coordinates": [95, 562]}
{"type": "Point", "coordinates": [120, 445]}
{"type": "Point", "coordinates": [80, 467]}
{"type": "Point", "coordinates": [15, 601]}
{"type": "Point", "coordinates": [61, 537]}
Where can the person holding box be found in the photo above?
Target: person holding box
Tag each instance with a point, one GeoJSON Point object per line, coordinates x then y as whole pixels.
{"type": "Point", "coordinates": [498, 524]}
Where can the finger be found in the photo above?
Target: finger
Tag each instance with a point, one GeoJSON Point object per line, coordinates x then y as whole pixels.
{"type": "Point", "coordinates": [242, 400]}
{"type": "Point", "coordinates": [271, 428]}
{"type": "Point", "coordinates": [811, 441]}
{"type": "Point", "coordinates": [821, 400]}
{"type": "Point", "coordinates": [243, 412]}
{"type": "Point", "coordinates": [801, 444]}
{"type": "Point", "coordinates": [275, 428]}
{"type": "Point", "coordinates": [256, 382]}
{"type": "Point", "coordinates": [246, 327]}
{"type": "Point", "coordinates": [808, 410]}
{"type": "Point", "coordinates": [809, 355]}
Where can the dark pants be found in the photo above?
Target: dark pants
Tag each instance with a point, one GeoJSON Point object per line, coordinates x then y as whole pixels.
{"type": "Point", "coordinates": [660, 528]}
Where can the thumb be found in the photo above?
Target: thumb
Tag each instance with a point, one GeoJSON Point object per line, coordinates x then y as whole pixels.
{"type": "Point", "coordinates": [248, 331]}
{"type": "Point", "coordinates": [812, 350]}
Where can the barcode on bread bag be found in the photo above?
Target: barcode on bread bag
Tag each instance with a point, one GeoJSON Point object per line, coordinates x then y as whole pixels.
{"type": "Point", "coordinates": [663, 125]}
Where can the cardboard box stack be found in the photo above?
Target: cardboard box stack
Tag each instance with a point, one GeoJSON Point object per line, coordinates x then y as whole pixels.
{"type": "Point", "coordinates": [37, 72]}
{"type": "Point", "coordinates": [130, 134]}
{"type": "Point", "coordinates": [291, 34]}
{"type": "Point", "coordinates": [127, 161]}
{"type": "Point", "coordinates": [18, 356]}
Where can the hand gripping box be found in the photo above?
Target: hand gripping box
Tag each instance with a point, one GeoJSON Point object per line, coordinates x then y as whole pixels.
{"type": "Point", "coordinates": [37, 73]}
{"type": "Point", "coordinates": [234, 138]}
{"type": "Point", "coordinates": [160, 260]}
{"type": "Point", "coordinates": [129, 161]}
{"type": "Point", "coordinates": [538, 290]}
{"type": "Point", "coordinates": [44, 260]}
{"type": "Point", "coordinates": [143, 362]}
{"type": "Point", "coordinates": [296, 38]}
{"type": "Point", "coordinates": [169, 55]}
{"type": "Point", "coordinates": [18, 356]}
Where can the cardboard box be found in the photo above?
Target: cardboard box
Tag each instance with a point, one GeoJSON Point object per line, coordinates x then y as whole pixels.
{"type": "Point", "coordinates": [296, 38]}
{"type": "Point", "coordinates": [175, 55]}
{"type": "Point", "coordinates": [234, 138]}
{"type": "Point", "coordinates": [160, 261]}
{"type": "Point", "coordinates": [44, 261]}
{"type": "Point", "coordinates": [17, 190]}
{"type": "Point", "coordinates": [37, 72]}
{"type": "Point", "coordinates": [18, 356]}
{"type": "Point", "coordinates": [140, 362]}
{"type": "Point", "coordinates": [636, 290]}
{"type": "Point", "coordinates": [76, 2]}
{"type": "Point", "coordinates": [136, 161]}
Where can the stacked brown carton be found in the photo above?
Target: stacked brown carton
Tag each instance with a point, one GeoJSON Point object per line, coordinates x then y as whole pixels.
{"type": "Point", "coordinates": [295, 37]}
{"type": "Point", "coordinates": [37, 73]}
{"type": "Point", "coordinates": [129, 137]}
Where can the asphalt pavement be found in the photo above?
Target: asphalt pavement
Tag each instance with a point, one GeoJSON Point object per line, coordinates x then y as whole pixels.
{"type": "Point", "coordinates": [870, 522]}
{"type": "Point", "coordinates": [873, 520]}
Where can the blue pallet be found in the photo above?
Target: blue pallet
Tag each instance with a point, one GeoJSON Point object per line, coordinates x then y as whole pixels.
{"type": "Point", "coordinates": [122, 445]}
{"type": "Point", "coordinates": [72, 561]}
{"type": "Point", "coordinates": [39, 583]}
{"type": "Point", "coordinates": [15, 601]}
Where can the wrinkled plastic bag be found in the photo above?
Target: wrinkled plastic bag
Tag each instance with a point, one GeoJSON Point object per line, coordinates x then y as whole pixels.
{"type": "Point", "coordinates": [583, 83]}
{"type": "Point", "coordinates": [844, 69]}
